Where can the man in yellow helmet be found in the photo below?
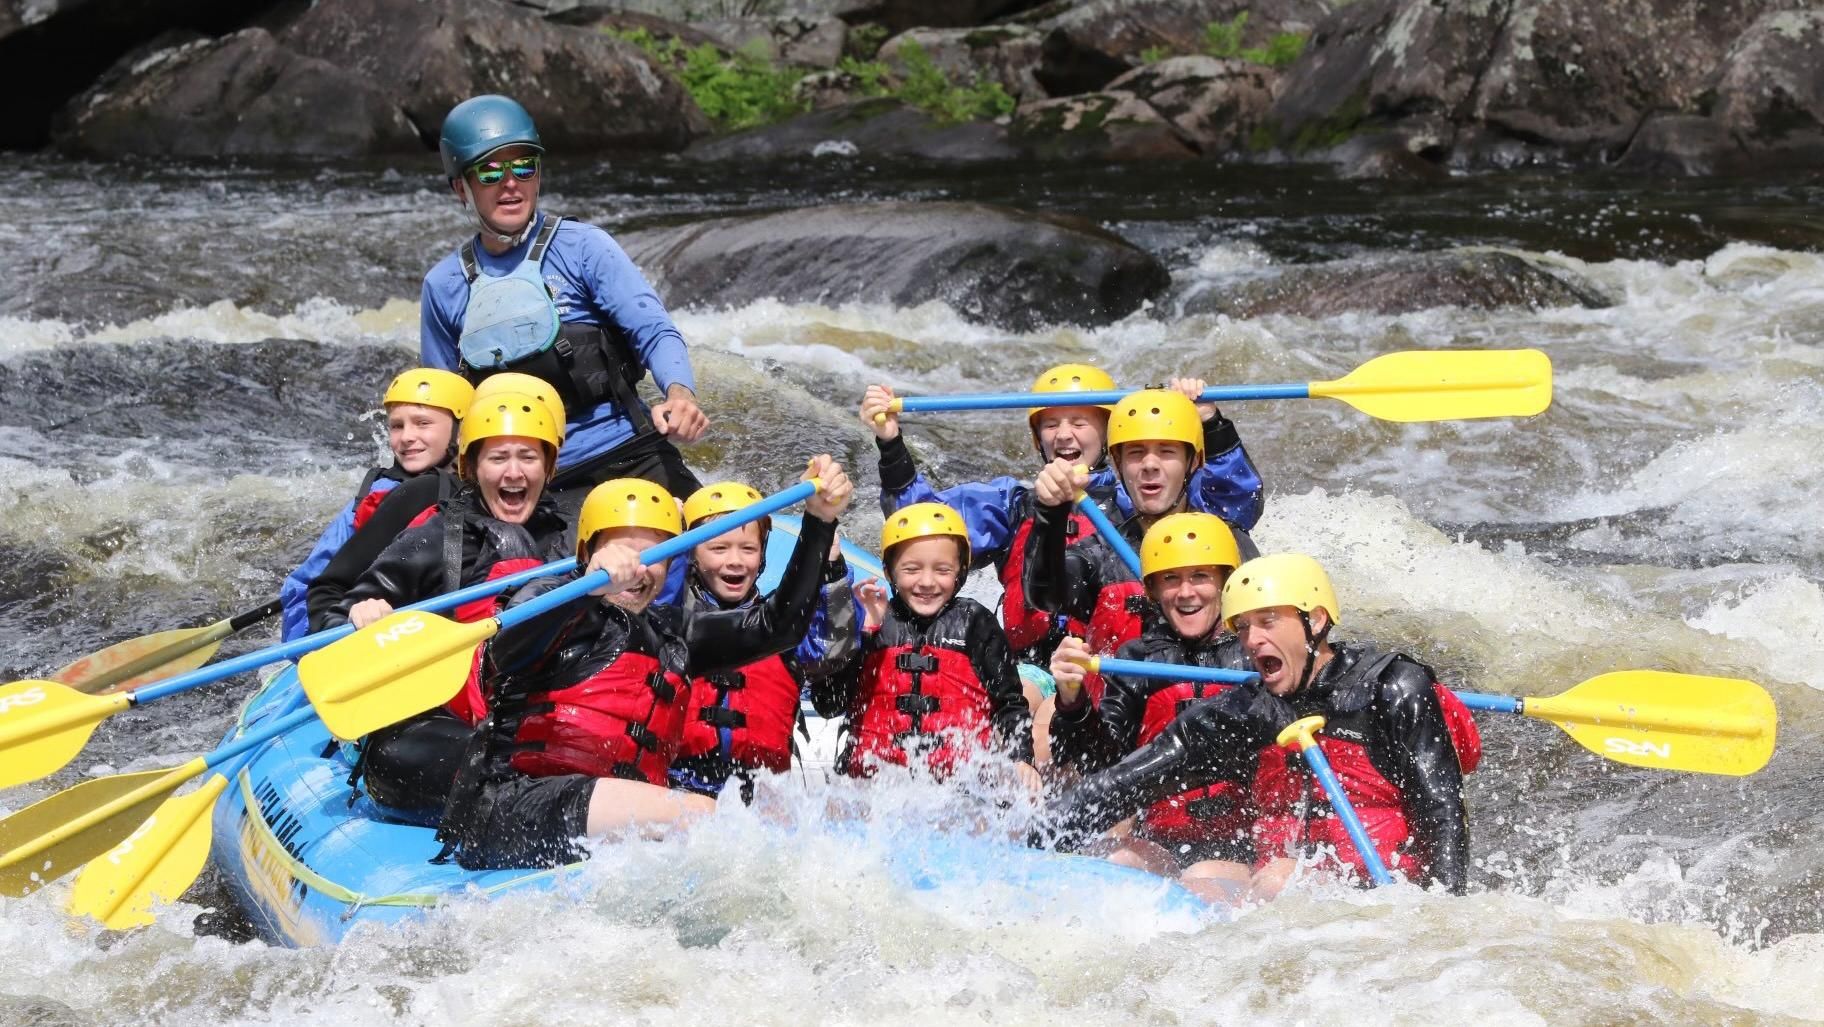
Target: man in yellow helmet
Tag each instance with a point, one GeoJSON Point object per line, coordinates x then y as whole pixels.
{"type": "Point", "coordinates": [423, 409]}
{"type": "Point", "coordinates": [999, 512]}
{"type": "Point", "coordinates": [1398, 742]}
{"type": "Point", "coordinates": [1156, 443]}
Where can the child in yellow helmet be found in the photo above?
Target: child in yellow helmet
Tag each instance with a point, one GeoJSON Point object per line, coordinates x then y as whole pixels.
{"type": "Point", "coordinates": [937, 682]}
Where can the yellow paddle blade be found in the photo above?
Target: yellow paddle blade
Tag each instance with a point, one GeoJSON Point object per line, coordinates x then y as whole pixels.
{"type": "Point", "coordinates": [43, 725]}
{"type": "Point", "coordinates": [394, 668]}
{"type": "Point", "coordinates": [155, 864]}
{"type": "Point", "coordinates": [1666, 721]}
{"type": "Point", "coordinates": [54, 836]}
{"type": "Point", "coordinates": [125, 666]}
{"type": "Point", "coordinates": [1446, 385]}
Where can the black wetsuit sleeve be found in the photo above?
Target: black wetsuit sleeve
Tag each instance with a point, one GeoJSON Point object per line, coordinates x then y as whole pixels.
{"type": "Point", "coordinates": [1425, 769]}
{"type": "Point", "coordinates": [1090, 737]}
{"type": "Point", "coordinates": [833, 693]}
{"type": "Point", "coordinates": [1220, 436]}
{"type": "Point", "coordinates": [408, 570]}
{"type": "Point", "coordinates": [999, 674]}
{"type": "Point", "coordinates": [897, 470]}
{"type": "Point", "coordinates": [1057, 576]}
{"type": "Point", "coordinates": [1212, 741]}
{"type": "Point", "coordinates": [724, 639]}
{"type": "Point", "coordinates": [389, 520]}
{"type": "Point", "coordinates": [523, 647]}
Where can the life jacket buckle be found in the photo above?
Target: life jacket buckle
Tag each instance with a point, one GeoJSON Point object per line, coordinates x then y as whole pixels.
{"type": "Point", "coordinates": [643, 737]}
{"type": "Point", "coordinates": [661, 687]}
{"type": "Point", "coordinates": [730, 680]}
{"type": "Point", "coordinates": [916, 663]}
{"type": "Point", "coordinates": [917, 705]}
{"type": "Point", "coordinates": [722, 716]}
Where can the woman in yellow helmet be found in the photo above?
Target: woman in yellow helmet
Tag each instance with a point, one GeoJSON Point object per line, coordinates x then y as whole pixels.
{"type": "Point", "coordinates": [423, 408]}
{"type": "Point", "coordinates": [588, 703]}
{"type": "Point", "coordinates": [1398, 742]}
{"type": "Point", "coordinates": [937, 683]}
{"type": "Point", "coordinates": [1186, 559]}
{"type": "Point", "coordinates": [498, 523]}
{"type": "Point", "coordinates": [739, 720]}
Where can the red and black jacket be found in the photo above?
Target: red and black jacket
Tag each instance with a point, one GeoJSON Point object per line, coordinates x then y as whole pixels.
{"type": "Point", "coordinates": [380, 517]}
{"type": "Point", "coordinates": [938, 687]}
{"type": "Point", "coordinates": [1135, 710]}
{"type": "Point", "coordinates": [1086, 582]}
{"type": "Point", "coordinates": [1397, 749]}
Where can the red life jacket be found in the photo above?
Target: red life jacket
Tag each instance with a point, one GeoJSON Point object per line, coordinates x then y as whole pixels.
{"type": "Point", "coordinates": [471, 704]}
{"type": "Point", "coordinates": [1212, 813]}
{"type": "Point", "coordinates": [928, 696]}
{"type": "Point", "coordinates": [623, 721]}
{"type": "Point", "coordinates": [1027, 625]}
{"type": "Point", "coordinates": [758, 707]}
{"type": "Point", "coordinates": [367, 504]}
{"type": "Point", "coordinates": [1281, 784]}
{"type": "Point", "coordinates": [1117, 616]}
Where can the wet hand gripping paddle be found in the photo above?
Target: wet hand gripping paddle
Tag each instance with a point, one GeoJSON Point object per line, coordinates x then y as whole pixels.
{"type": "Point", "coordinates": [1643, 718]}
{"type": "Point", "coordinates": [1412, 385]}
{"type": "Point", "coordinates": [127, 665]}
{"type": "Point", "coordinates": [45, 723]}
{"type": "Point", "coordinates": [53, 837]}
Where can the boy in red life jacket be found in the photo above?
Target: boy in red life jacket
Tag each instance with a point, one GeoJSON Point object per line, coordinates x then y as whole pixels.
{"type": "Point", "coordinates": [1186, 559]}
{"type": "Point", "coordinates": [423, 408]}
{"type": "Point", "coordinates": [739, 721]}
{"type": "Point", "coordinates": [384, 515]}
{"type": "Point", "coordinates": [998, 512]}
{"type": "Point", "coordinates": [588, 701]}
{"type": "Point", "coordinates": [937, 681]}
{"type": "Point", "coordinates": [1155, 438]}
{"type": "Point", "coordinates": [1398, 742]}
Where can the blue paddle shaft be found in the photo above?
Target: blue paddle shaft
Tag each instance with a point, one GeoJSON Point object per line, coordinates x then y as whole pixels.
{"type": "Point", "coordinates": [1174, 672]}
{"type": "Point", "coordinates": [1364, 845]}
{"type": "Point", "coordinates": [260, 736]}
{"type": "Point", "coordinates": [311, 643]}
{"type": "Point", "coordinates": [663, 551]}
{"type": "Point", "coordinates": [1110, 534]}
{"type": "Point", "coordinates": [1493, 703]}
{"type": "Point", "coordinates": [1012, 400]}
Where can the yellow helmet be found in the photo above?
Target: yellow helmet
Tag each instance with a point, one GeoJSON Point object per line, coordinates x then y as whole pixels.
{"type": "Point", "coordinates": [507, 414]}
{"type": "Point", "coordinates": [1072, 378]}
{"type": "Point", "coordinates": [626, 503]}
{"type": "Point", "coordinates": [1181, 540]}
{"type": "Point", "coordinates": [1156, 415]}
{"type": "Point", "coordinates": [427, 386]}
{"type": "Point", "coordinates": [924, 520]}
{"type": "Point", "coordinates": [527, 385]}
{"type": "Point", "coordinates": [725, 497]}
{"type": "Point", "coordinates": [1283, 579]}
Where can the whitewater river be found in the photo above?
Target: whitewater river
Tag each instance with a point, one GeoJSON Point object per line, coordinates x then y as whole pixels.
{"type": "Point", "coordinates": [189, 359]}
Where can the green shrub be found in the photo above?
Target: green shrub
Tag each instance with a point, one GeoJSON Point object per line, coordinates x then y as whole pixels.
{"type": "Point", "coordinates": [870, 76]}
{"type": "Point", "coordinates": [1223, 39]}
{"type": "Point", "coordinates": [736, 91]}
{"type": "Point", "coordinates": [930, 90]}
{"type": "Point", "coordinates": [1155, 54]}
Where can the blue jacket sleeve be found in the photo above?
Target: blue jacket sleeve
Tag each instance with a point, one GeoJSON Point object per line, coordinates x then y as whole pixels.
{"type": "Point", "coordinates": [296, 588]}
{"type": "Point", "coordinates": [437, 333]}
{"type": "Point", "coordinates": [991, 509]}
{"type": "Point", "coordinates": [629, 300]}
{"type": "Point", "coordinates": [832, 640]}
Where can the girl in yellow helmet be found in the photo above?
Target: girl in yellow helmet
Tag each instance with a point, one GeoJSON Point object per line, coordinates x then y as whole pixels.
{"type": "Point", "coordinates": [588, 703]}
{"type": "Point", "coordinates": [423, 408]}
{"type": "Point", "coordinates": [937, 683]}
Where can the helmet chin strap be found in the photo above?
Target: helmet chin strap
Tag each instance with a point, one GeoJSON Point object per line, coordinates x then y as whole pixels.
{"type": "Point", "coordinates": [1313, 641]}
{"type": "Point", "coordinates": [507, 239]}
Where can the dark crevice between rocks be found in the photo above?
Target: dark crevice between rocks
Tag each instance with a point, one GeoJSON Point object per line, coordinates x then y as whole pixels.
{"type": "Point", "coordinates": [1468, 107]}
{"type": "Point", "coordinates": [44, 65]}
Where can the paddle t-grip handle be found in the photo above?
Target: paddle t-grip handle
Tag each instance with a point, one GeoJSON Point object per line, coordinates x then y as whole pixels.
{"type": "Point", "coordinates": [1299, 733]}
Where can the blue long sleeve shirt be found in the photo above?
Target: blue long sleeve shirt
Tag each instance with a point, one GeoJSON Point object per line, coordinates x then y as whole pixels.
{"type": "Point", "coordinates": [593, 282]}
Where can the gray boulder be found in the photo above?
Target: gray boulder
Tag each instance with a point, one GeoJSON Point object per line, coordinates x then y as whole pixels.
{"type": "Point", "coordinates": [242, 94]}
{"type": "Point", "coordinates": [1214, 104]}
{"type": "Point", "coordinates": [816, 42]}
{"type": "Point", "coordinates": [1005, 267]}
{"type": "Point", "coordinates": [1089, 45]}
{"type": "Point", "coordinates": [1770, 89]}
{"type": "Point", "coordinates": [1473, 278]}
{"type": "Point", "coordinates": [878, 127]}
{"type": "Point", "coordinates": [587, 90]}
{"type": "Point", "coordinates": [900, 15]}
{"type": "Point", "coordinates": [1007, 54]}
{"type": "Point", "coordinates": [1097, 126]}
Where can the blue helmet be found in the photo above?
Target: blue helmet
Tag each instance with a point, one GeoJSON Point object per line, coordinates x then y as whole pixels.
{"type": "Point", "coordinates": [480, 125]}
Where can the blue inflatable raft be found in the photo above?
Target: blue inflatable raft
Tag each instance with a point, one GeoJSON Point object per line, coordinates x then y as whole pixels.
{"type": "Point", "coordinates": [308, 859]}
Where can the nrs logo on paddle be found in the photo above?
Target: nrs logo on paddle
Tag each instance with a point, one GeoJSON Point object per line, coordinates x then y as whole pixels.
{"type": "Point", "coordinates": [28, 697]}
{"type": "Point", "coordinates": [403, 629]}
{"type": "Point", "coordinates": [1651, 750]}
